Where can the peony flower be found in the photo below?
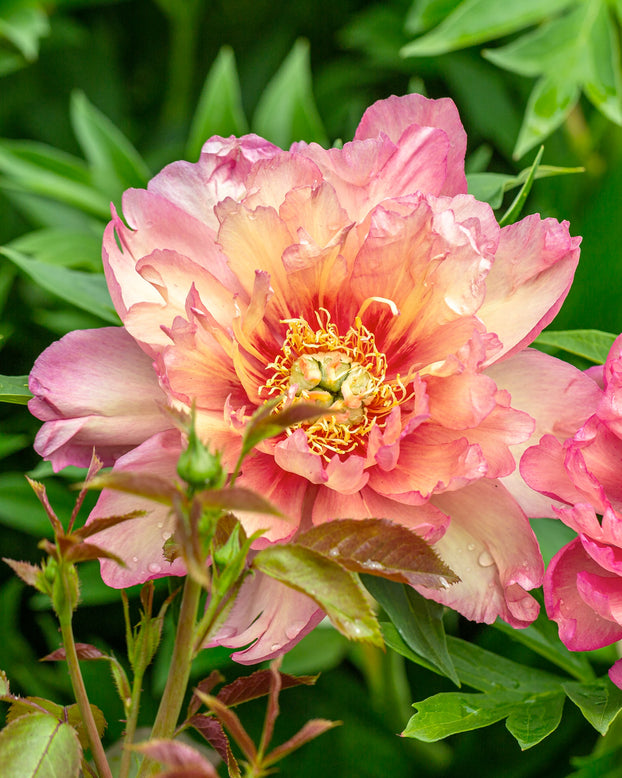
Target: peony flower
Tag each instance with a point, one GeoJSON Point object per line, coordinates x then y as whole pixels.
{"type": "Point", "coordinates": [363, 279]}
{"type": "Point", "coordinates": [582, 473]}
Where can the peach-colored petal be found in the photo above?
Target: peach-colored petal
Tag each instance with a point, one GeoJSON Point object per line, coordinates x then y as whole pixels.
{"type": "Point", "coordinates": [270, 617]}
{"type": "Point", "coordinates": [139, 542]}
{"type": "Point", "coordinates": [94, 389]}
{"type": "Point", "coordinates": [496, 568]}
{"type": "Point", "coordinates": [531, 276]}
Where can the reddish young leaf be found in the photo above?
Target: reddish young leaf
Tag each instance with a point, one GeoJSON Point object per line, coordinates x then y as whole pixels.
{"type": "Point", "coordinates": [152, 486]}
{"type": "Point", "coordinates": [39, 490]}
{"type": "Point", "coordinates": [97, 525]}
{"type": "Point", "coordinates": [212, 730]}
{"type": "Point", "coordinates": [205, 686]}
{"type": "Point", "coordinates": [380, 547]}
{"type": "Point", "coordinates": [236, 498]}
{"type": "Point", "coordinates": [27, 572]}
{"type": "Point", "coordinates": [250, 687]}
{"type": "Point", "coordinates": [84, 552]}
{"type": "Point", "coordinates": [232, 723]}
{"type": "Point", "coordinates": [94, 468]}
{"type": "Point", "coordinates": [309, 731]}
{"type": "Point", "coordinates": [85, 652]}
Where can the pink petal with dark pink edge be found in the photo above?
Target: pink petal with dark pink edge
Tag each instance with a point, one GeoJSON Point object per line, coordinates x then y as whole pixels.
{"type": "Point", "coordinates": [139, 542]}
{"type": "Point", "coordinates": [615, 673]}
{"type": "Point", "coordinates": [496, 566]}
{"type": "Point", "coordinates": [557, 396]}
{"type": "Point", "coordinates": [580, 627]}
{"type": "Point", "coordinates": [284, 490]}
{"type": "Point", "coordinates": [610, 409]}
{"type": "Point", "coordinates": [531, 276]}
{"type": "Point", "coordinates": [367, 172]}
{"type": "Point", "coordinates": [395, 114]}
{"type": "Point", "coordinates": [608, 556]}
{"type": "Point", "coordinates": [221, 171]}
{"type": "Point", "coordinates": [425, 519]}
{"type": "Point", "coordinates": [601, 451]}
{"type": "Point", "coordinates": [94, 388]}
{"type": "Point", "coordinates": [268, 615]}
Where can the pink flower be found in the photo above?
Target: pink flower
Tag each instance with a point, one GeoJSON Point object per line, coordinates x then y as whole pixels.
{"type": "Point", "coordinates": [364, 279]}
{"type": "Point", "coordinates": [583, 473]}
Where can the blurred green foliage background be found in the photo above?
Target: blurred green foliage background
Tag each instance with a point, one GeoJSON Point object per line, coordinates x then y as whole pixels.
{"type": "Point", "coordinates": [97, 95]}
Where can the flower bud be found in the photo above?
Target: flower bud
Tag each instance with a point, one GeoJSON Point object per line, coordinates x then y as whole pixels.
{"type": "Point", "coordinates": [198, 466]}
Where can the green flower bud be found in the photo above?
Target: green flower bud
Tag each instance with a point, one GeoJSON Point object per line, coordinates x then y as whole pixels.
{"type": "Point", "coordinates": [198, 466]}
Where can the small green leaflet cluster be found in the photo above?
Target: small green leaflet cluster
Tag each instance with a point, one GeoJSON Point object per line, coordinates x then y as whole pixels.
{"type": "Point", "coordinates": [574, 48]}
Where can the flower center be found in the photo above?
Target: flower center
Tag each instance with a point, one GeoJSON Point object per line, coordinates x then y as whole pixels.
{"type": "Point", "coordinates": [345, 374]}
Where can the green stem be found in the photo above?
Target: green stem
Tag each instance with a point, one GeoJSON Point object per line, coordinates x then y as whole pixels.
{"type": "Point", "coordinates": [79, 690]}
{"type": "Point", "coordinates": [177, 681]}
{"type": "Point", "coordinates": [132, 721]}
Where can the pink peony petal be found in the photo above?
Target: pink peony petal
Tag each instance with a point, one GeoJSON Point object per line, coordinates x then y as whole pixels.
{"type": "Point", "coordinates": [496, 569]}
{"type": "Point", "coordinates": [94, 389]}
{"type": "Point", "coordinates": [531, 276]}
{"type": "Point", "coordinates": [139, 542]}
{"type": "Point", "coordinates": [270, 617]}
{"type": "Point", "coordinates": [580, 627]}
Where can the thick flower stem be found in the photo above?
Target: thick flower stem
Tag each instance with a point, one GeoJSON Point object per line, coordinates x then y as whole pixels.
{"type": "Point", "coordinates": [79, 690]}
{"type": "Point", "coordinates": [177, 681]}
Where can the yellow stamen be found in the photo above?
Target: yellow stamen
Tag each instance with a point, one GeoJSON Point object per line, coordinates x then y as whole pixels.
{"type": "Point", "coordinates": [344, 373]}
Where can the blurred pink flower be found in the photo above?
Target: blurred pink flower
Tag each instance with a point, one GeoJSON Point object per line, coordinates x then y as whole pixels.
{"type": "Point", "coordinates": [364, 279]}
{"type": "Point", "coordinates": [583, 474]}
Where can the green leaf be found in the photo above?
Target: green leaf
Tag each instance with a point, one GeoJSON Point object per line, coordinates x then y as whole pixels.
{"type": "Point", "coordinates": [599, 702]}
{"type": "Point", "coordinates": [549, 47]}
{"type": "Point", "coordinates": [474, 21]}
{"type": "Point", "coordinates": [70, 248]}
{"type": "Point", "coordinates": [115, 164]}
{"type": "Point", "coordinates": [491, 187]}
{"type": "Point", "coordinates": [601, 82]}
{"type": "Point", "coordinates": [11, 443]}
{"type": "Point", "coordinates": [589, 344]}
{"type": "Point", "coordinates": [42, 170]}
{"type": "Point", "coordinates": [24, 26]}
{"type": "Point", "coordinates": [550, 102]}
{"type": "Point", "coordinates": [419, 622]}
{"type": "Point", "coordinates": [542, 638]}
{"type": "Point", "coordinates": [530, 717]}
{"type": "Point", "coordinates": [535, 718]}
{"type": "Point", "coordinates": [14, 389]}
{"type": "Point", "coordinates": [38, 746]}
{"type": "Point", "coordinates": [513, 212]}
{"type": "Point", "coordinates": [424, 14]}
{"type": "Point", "coordinates": [379, 547]}
{"type": "Point", "coordinates": [219, 111]}
{"type": "Point", "coordinates": [334, 589]}
{"type": "Point", "coordinates": [286, 111]}
{"type": "Point", "coordinates": [87, 291]}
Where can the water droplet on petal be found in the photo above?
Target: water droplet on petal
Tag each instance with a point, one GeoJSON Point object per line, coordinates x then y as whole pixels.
{"type": "Point", "coordinates": [294, 628]}
{"type": "Point", "coordinates": [485, 560]}
{"type": "Point", "coordinates": [471, 547]}
{"type": "Point", "coordinates": [166, 535]}
{"type": "Point", "coordinates": [371, 564]}
{"type": "Point", "coordinates": [333, 552]}
{"type": "Point", "coordinates": [153, 567]}
{"type": "Point", "coordinates": [275, 647]}
{"type": "Point", "coordinates": [134, 559]}
{"type": "Point", "coordinates": [444, 582]}
{"type": "Point", "coordinates": [160, 524]}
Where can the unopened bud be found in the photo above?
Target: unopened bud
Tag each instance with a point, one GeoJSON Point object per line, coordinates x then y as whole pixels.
{"type": "Point", "coordinates": [198, 466]}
